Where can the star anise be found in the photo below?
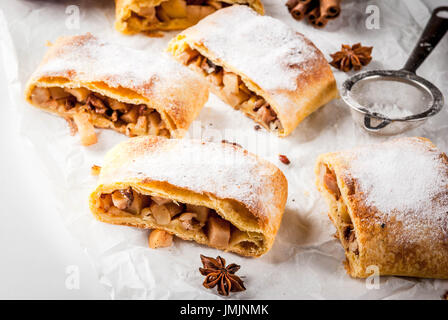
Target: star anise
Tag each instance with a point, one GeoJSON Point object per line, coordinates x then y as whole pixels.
{"type": "Point", "coordinates": [354, 57]}
{"type": "Point", "coordinates": [218, 274]}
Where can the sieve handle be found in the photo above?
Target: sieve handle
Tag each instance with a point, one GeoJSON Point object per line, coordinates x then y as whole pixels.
{"type": "Point", "coordinates": [434, 31]}
{"type": "Point", "coordinates": [368, 125]}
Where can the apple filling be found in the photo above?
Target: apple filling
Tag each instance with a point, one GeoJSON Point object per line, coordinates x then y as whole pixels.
{"type": "Point", "coordinates": [87, 108]}
{"type": "Point", "coordinates": [338, 212]}
{"type": "Point", "coordinates": [183, 12]}
{"type": "Point", "coordinates": [230, 87]}
{"type": "Point", "coordinates": [175, 216]}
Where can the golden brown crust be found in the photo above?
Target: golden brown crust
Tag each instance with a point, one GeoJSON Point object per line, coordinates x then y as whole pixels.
{"type": "Point", "coordinates": [411, 242]}
{"type": "Point", "coordinates": [243, 189]}
{"type": "Point", "coordinates": [242, 31]}
{"type": "Point", "coordinates": [125, 10]}
{"type": "Point", "coordinates": [123, 74]}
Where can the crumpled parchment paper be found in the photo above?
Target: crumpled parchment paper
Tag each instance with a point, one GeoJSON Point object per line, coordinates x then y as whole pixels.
{"type": "Point", "coordinates": [306, 261]}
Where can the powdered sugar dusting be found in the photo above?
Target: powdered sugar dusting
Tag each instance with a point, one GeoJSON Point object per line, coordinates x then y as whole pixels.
{"type": "Point", "coordinates": [86, 58]}
{"type": "Point", "coordinates": [208, 168]}
{"type": "Point", "coordinates": [261, 47]}
{"type": "Point", "coordinates": [406, 180]}
{"type": "Point", "coordinates": [389, 110]}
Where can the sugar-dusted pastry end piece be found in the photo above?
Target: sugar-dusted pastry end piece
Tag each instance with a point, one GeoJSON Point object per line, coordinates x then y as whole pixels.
{"type": "Point", "coordinates": [389, 204]}
{"type": "Point", "coordinates": [216, 194]}
{"type": "Point", "coordinates": [259, 65]}
{"type": "Point", "coordinates": [97, 84]}
{"type": "Point", "coordinates": [133, 16]}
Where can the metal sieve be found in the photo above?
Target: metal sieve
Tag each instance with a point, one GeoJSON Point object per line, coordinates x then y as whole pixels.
{"type": "Point", "coordinates": [403, 82]}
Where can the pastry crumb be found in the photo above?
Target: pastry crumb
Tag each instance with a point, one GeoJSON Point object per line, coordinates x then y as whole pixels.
{"type": "Point", "coordinates": [95, 170]}
{"type": "Point", "coordinates": [232, 143]}
{"type": "Point", "coordinates": [154, 34]}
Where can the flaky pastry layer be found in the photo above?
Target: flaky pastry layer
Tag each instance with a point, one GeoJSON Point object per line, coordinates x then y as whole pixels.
{"type": "Point", "coordinates": [258, 65]}
{"type": "Point", "coordinates": [244, 196]}
{"type": "Point", "coordinates": [133, 16]}
{"type": "Point", "coordinates": [130, 91]}
{"type": "Point", "coordinates": [389, 204]}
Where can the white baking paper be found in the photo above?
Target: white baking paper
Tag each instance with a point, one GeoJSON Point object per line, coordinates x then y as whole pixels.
{"type": "Point", "coordinates": [305, 261]}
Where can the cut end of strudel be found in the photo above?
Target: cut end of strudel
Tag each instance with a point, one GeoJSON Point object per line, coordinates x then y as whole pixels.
{"type": "Point", "coordinates": [133, 16]}
{"type": "Point", "coordinates": [258, 65]}
{"type": "Point", "coordinates": [216, 194]}
{"type": "Point", "coordinates": [389, 204]}
{"type": "Point", "coordinates": [97, 84]}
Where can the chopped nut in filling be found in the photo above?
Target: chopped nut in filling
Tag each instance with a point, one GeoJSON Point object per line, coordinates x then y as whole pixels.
{"type": "Point", "coordinates": [173, 215]}
{"type": "Point", "coordinates": [145, 17]}
{"type": "Point", "coordinates": [87, 108]}
{"type": "Point", "coordinates": [233, 90]}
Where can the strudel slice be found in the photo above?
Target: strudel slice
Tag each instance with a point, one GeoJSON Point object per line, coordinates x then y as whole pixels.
{"type": "Point", "coordinates": [389, 204]}
{"type": "Point", "coordinates": [259, 65]}
{"type": "Point", "coordinates": [96, 84]}
{"type": "Point", "coordinates": [133, 16]}
{"type": "Point", "coordinates": [216, 194]}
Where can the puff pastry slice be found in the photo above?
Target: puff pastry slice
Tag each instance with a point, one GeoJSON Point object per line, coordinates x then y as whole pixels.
{"type": "Point", "coordinates": [259, 65]}
{"type": "Point", "coordinates": [95, 83]}
{"type": "Point", "coordinates": [216, 194]}
{"type": "Point", "coordinates": [133, 16]}
{"type": "Point", "coordinates": [389, 204]}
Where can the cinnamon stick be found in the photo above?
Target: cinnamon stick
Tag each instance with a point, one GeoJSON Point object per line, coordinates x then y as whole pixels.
{"type": "Point", "coordinates": [291, 4]}
{"type": "Point", "coordinates": [319, 12]}
{"type": "Point", "coordinates": [330, 8]}
{"type": "Point", "coordinates": [314, 14]}
{"type": "Point", "coordinates": [320, 22]}
{"type": "Point", "coordinates": [299, 11]}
